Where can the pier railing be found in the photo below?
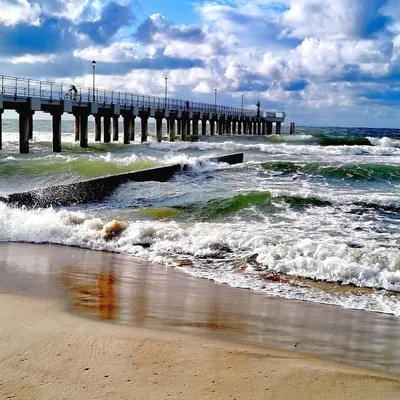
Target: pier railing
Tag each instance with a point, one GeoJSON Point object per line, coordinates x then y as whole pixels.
{"type": "Point", "coordinates": [56, 91]}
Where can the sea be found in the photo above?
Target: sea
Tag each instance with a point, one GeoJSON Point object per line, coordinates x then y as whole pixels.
{"type": "Point", "coordinates": [313, 216]}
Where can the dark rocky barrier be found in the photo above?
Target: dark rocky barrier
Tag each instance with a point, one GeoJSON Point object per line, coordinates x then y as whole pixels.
{"type": "Point", "coordinates": [99, 188]}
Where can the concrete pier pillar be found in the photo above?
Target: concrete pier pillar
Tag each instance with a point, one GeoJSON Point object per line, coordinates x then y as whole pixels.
{"type": "Point", "coordinates": [234, 127]}
{"type": "Point", "coordinates": [229, 126]}
{"type": "Point", "coordinates": [159, 124]}
{"type": "Point", "coordinates": [83, 140]}
{"type": "Point", "coordinates": [97, 128]}
{"type": "Point", "coordinates": [220, 127]}
{"type": "Point", "coordinates": [263, 128]}
{"type": "Point", "coordinates": [255, 127]}
{"type": "Point", "coordinates": [56, 125]}
{"type": "Point", "coordinates": [144, 122]}
{"type": "Point", "coordinates": [184, 129]}
{"type": "Point", "coordinates": [239, 126]}
{"type": "Point", "coordinates": [259, 127]}
{"type": "Point", "coordinates": [269, 128]}
{"type": "Point", "coordinates": [23, 131]}
{"type": "Point", "coordinates": [1, 129]}
{"type": "Point", "coordinates": [172, 129]}
{"type": "Point", "coordinates": [115, 128]}
{"type": "Point", "coordinates": [195, 127]}
{"type": "Point", "coordinates": [126, 123]}
{"type": "Point", "coordinates": [292, 128]}
{"type": "Point", "coordinates": [77, 127]}
{"type": "Point", "coordinates": [212, 127]}
{"type": "Point", "coordinates": [188, 130]}
{"type": "Point", "coordinates": [249, 125]}
{"type": "Point", "coordinates": [107, 128]}
{"type": "Point", "coordinates": [179, 127]}
{"type": "Point", "coordinates": [204, 126]}
{"type": "Point", "coordinates": [132, 129]}
{"type": "Point", "coordinates": [278, 128]}
{"type": "Point", "coordinates": [31, 113]}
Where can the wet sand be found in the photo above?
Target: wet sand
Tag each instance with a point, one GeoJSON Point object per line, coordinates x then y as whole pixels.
{"type": "Point", "coordinates": [82, 324]}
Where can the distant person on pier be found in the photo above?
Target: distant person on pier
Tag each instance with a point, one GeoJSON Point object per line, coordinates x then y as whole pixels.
{"type": "Point", "coordinates": [73, 91]}
{"type": "Point", "coordinates": [187, 105]}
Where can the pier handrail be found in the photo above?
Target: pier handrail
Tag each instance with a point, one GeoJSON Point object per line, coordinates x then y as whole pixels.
{"type": "Point", "coordinates": [55, 91]}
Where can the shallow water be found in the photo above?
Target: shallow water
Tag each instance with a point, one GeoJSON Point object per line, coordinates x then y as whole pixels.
{"type": "Point", "coordinates": [293, 209]}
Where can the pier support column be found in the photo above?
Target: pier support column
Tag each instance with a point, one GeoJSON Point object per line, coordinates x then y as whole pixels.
{"type": "Point", "coordinates": [1, 129]}
{"type": "Point", "coordinates": [126, 129]}
{"type": "Point", "coordinates": [212, 127]}
{"type": "Point", "coordinates": [31, 113]}
{"type": "Point", "coordinates": [97, 128]}
{"type": "Point", "coordinates": [115, 128]}
{"type": "Point", "coordinates": [292, 128]}
{"type": "Point", "coordinates": [132, 129]}
{"type": "Point", "coordinates": [159, 128]}
{"type": "Point", "coordinates": [264, 126]}
{"type": "Point", "coordinates": [220, 124]}
{"type": "Point", "coordinates": [77, 127]}
{"type": "Point", "coordinates": [229, 126]}
{"type": "Point", "coordinates": [107, 128]}
{"type": "Point", "coordinates": [278, 128]}
{"type": "Point", "coordinates": [239, 124]}
{"type": "Point", "coordinates": [23, 131]}
{"type": "Point", "coordinates": [83, 140]}
{"type": "Point", "coordinates": [184, 129]}
{"type": "Point", "coordinates": [179, 127]}
{"type": "Point", "coordinates": [195, 127]}
{"type": "Point", "coordinates": [56, 125]}
{"type": "Point", "coordinates": [259, 127]}
{"type": "Point", "coordinates": [248, 127]}
{"type": "Point", "coordinates": [234, 127]}
{"type": "Point", "coordinates": [269, 128]}
{"type": "Point", "coordinates": [172, 132]}
{"type": "Point", "coordinates": [144, 118]}
{"type": "Point", "coordinates": [204, 126]}
{"type": "Point", "coordinates": [188, 130]}
{"type": "Point", "coordinates": [255, 127]}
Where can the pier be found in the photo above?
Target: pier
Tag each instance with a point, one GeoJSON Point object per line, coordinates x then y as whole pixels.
{"type": "Point", "coordinates": [185, 120]}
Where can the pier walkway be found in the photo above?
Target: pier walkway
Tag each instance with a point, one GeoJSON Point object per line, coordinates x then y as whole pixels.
{"type": "Point", "coordinates": [185, 119]}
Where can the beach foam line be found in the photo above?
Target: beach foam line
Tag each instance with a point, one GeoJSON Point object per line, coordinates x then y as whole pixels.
{"type": "Point", "coordinates": [99, 188]}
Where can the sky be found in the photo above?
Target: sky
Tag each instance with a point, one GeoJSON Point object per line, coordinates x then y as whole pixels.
{"type": "Point", "coordinates": [323, 62]}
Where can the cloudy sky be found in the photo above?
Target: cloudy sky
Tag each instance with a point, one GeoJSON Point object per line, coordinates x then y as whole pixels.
{"type": "Point", "coordinates": [323, 62]}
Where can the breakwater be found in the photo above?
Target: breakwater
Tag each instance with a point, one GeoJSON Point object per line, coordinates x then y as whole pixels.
{"type": "Point", "coordinates": [99, 188]}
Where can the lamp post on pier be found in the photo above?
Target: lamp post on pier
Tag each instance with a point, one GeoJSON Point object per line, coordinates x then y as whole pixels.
{"type": "Point", "coordinates": [166, 93]}
{"type": "Point", "coordinates": [215, 99]}
{"type": "Point", "coordinates": [242, 104]}
{"type": "Point", "coordinates": [94, 82]}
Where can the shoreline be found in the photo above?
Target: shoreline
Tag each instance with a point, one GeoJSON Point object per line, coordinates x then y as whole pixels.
{"type": "Point", "coordinates": [164, 334]}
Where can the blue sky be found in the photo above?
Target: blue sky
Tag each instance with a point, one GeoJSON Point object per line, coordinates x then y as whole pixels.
{"type": "Point", "coordinates": [323, 62]}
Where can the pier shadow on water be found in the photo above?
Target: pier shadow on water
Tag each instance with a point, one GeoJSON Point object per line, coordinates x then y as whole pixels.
{"type": "Point", "coordinates": [118, 289]}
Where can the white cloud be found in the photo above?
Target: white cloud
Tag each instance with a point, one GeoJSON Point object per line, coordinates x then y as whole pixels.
{"type": "Point", "coordinates": [33, 58]}
{"type": "Point", "coordinates": [19, 11]}
{"type": "Point", "coordinates": [116, 52]}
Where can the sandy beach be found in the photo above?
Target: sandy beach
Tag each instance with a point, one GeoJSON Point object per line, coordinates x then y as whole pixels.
{"type": "Point", "coordinates": [78, 324]}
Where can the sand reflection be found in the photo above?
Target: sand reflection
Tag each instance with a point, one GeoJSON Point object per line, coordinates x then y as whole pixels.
{"type": "Point", "coordinates": [92, 293]}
